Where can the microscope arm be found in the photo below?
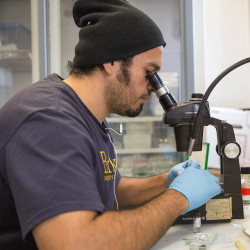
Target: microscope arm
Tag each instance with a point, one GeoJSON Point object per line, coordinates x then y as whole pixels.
{"type": "Point", "coordinates": [229, 150]}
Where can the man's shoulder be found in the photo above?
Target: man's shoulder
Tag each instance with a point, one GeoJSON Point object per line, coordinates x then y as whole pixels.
{"type": "Point", "coordinates": [35, 96]}
{"type": "Point", "coordinates": [47, 95]}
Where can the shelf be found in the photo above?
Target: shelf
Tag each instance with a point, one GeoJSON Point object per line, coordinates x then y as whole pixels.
{"type": "Point", "coordinates": [136, 119]}
{"type": "Point", "coordinates": [16, 60]}
{"type": "Point", "coordinates": [145, 150]}
{"type": "Point", "coordinates": [15, 47]}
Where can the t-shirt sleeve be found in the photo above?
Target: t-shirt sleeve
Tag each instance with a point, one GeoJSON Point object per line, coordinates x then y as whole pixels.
{"type": "Point", "coordinates": [51, 169]}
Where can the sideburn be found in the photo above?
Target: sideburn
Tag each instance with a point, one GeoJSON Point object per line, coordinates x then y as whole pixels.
{"type": "Point", "coordinates": [124, 75]}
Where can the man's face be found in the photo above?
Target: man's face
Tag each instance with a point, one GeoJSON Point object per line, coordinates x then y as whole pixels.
{"type": "Point", "coordinates": [126, 94]}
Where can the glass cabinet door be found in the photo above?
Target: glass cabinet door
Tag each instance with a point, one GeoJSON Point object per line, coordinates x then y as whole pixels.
{"type": "Point", "coordinates": [147, 147]}
{"type": "Point", "coordinates": [15, 47]}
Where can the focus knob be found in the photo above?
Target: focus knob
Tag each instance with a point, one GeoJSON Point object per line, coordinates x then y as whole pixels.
{"type": "Point", "coordinates": [196, 97]}
{"type": "Point", "coordinates": [231, 150]}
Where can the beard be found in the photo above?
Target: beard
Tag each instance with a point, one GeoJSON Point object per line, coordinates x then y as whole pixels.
{"type": "Point", "coordinates": [118, 98]}
{"type": "Point", "coordinates": [133, 112]}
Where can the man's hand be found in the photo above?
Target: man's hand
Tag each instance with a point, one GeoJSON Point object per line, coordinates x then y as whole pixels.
{"type": "Point", "coordinates": [179, 168]}
{"type": "Point", "coordinates": [197, 185]}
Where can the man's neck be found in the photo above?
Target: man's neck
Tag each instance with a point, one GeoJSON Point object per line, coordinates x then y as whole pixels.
{"type": "Point", "coordinates": [90, 91]}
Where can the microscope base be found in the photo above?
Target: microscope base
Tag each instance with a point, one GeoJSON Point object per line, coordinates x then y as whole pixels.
{"type": "Point", "coordinates": [222, 208]}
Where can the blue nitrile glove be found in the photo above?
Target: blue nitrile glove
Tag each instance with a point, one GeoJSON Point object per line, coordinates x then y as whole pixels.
{"type": "Point", "coordinates": [197, 185]}
{"type": "Point", "coordinates": [179, 168]}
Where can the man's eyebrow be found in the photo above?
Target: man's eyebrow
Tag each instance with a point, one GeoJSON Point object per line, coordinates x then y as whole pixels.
{"type": "Point", "coordinates": [155, 65]}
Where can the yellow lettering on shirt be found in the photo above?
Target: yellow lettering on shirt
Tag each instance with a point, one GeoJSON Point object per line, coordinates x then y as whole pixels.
{"type": "Point", "coordinates": [113, 164]}
{"type": "Point", "coordinates": [105, 163]}
{"type": "Point", "coordinates": [108, 177]}
{"type": "Point", "coordinates": [106, 166]}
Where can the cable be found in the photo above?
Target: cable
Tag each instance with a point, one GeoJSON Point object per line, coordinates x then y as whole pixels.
{"type": "Point", "coordinates": [115, 169]}
{"type": "Point", "coordinates": [121, 132]}
{"type": "Point", "coordinates": [209, 90]}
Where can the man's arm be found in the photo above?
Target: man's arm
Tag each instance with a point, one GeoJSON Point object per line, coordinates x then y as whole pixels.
{"type": "Point", "coordinates": [134, 191]}
{"type": "Point", "coordinates": [137, 228]}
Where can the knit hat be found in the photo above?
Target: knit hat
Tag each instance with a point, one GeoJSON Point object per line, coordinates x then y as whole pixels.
{"type": "Point", "coordinates": [112, 30]}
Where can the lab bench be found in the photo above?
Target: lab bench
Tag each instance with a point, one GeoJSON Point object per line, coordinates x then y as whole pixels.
{"type": "Point", "coordinates": [180, 236]}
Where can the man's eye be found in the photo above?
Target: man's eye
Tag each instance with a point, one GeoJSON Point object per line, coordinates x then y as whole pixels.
{"type": "Point", "coordinates": [148, 72]}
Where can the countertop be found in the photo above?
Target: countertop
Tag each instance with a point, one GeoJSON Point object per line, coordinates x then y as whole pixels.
{"type": "Point", "coordinates": [179, 236]}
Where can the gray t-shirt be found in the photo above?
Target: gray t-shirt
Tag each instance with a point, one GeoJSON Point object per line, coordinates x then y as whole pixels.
{"type": "Point", "coordinates": [55, 157]}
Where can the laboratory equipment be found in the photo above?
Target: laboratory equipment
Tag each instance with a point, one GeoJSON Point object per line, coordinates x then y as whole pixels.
{"type": "Point", "coordinates": [245, 186]}
{"type": "Point", "coordinates": [197, 223]}
{"type": "Point", "coordinates": [188, 120]}
{"type": "Point", "coordinates": [202, 241]}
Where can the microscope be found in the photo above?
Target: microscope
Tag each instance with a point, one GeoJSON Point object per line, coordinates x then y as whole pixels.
{"type": "Point", "coordinates": [188, 120]}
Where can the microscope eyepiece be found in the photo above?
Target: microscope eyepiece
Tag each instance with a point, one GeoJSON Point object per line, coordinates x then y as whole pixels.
{"type": "Point", "coordinates": [166, 99]}
{"type": "Point", "coordinates": [155, 81]}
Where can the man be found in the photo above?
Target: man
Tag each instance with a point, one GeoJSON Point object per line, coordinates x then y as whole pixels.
{"type": "Point", "coordinates": [58, 168]}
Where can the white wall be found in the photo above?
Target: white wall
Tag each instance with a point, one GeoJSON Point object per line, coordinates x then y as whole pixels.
{"type": "Point", "coordinates": [199, 57]}
{"type": "Point", "coordinates": [221, 35]}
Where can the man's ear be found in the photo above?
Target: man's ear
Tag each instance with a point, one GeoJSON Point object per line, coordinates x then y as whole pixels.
{"type": "Point", "coordinates": [110, 67]}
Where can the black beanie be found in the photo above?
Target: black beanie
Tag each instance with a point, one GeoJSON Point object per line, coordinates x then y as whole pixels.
{"type": "Point", "coordinates": [112, 30]}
